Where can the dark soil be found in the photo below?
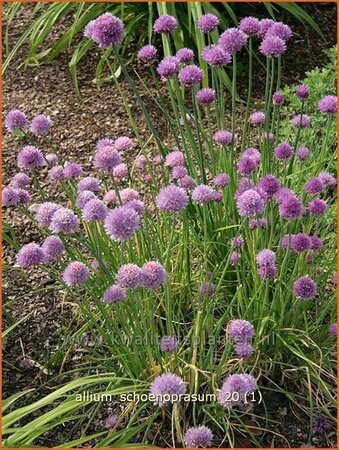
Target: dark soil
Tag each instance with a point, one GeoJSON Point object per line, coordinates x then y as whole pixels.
{"type": "Point", "coordinates": [78, 124]}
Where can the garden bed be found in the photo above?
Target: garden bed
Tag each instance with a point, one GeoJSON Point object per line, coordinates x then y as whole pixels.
{"type": "Point", "coordinates": [49, 314]}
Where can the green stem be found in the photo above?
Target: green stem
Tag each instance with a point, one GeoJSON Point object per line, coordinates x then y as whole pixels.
{"type": "Point", "coordinates": [249, 93]}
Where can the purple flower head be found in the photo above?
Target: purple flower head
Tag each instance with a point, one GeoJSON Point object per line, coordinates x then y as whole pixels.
{"type": "Point", "coordinates": [264, 25]}
{"type": "Point", "coordinates": [128, 194]}
{"type": "Point", "coordinates": [207, 289]}
{"type": "Point", "coordinates": [269, 184]}
{"type": "Point", "coordinates": [267, 272]}
{"type": "Point", "coordinates": [272, 46]}
{"type": "Point", "coordinates": [167, 389]}
{"type": "Point", "coordinates": [250, 203]}
{"type": "Point", "coordinates": [20, 181]}
{"type": "Point", "coordinates": [203, 194]}
{"type": "Point", "coordinates": [333, 329]}
{"type": "Point", "coordinates": [247, 164]}
{"type": "Point", "coordinates": [64, 221]}
{"type": "Point", "coordinates": [52, 248]}
{"type": "Point", "coordinates": [253, 224]}
{"type": "Point", "coordinates": [266, 258]}
{"type": "Point", "coordinates": [23, 196]}
{"type": "Point", "coordinates": [237, 242]}
{"type": "Point", "coordinates": [223, 137]}
{"type": "Point", "coordinates": [253, 153]}
{"type": "Point", "coordinates": [215, 55]}
{"type": "Point", "coordinates": [314, 186]}
{"type": "Point", "coordinates": [165, 24]}
{"type": "Point", "coordinates": [169, 344]}
{"type": "Point", "coordinates": [196, 437]}
{"type": "Point", "coordinates": [114, 294]}
{"type": "Point", "coordinates": [242, 384]}
{"type": "Point", "coordinates": [208, 23]}
{"type": "Point", "coordinates": [301, 120]}
{"type": "Point", "coordinates": [300, 242]}
{"type": "Point", "coordinates": [45, 213]}
{"type": "Point", "coordinates": [83, 198]}
{"type": "Point", "coordinates": [250, 25]}
{"type": "Point", "coordinates": [137, 205]}
{"type": "Point", "coordinates": [178, 172]}
{"type": "Point", "coordinates": [129, 276]}
{"type": "Point", "coordinates": [191, 75]}
{"type": "Point", "coordinates": [327, 179]}
{"type": "Point", "coordinates": [110, 198]}
{"type": "Point", "coordinates": [321, 425]}
{"type": "Point", "coordinates": [218, 196]}
{"type": "Point", "coordinates": [153, 275]}
{"type": "Point", "coordinates": [106, 158]}
{"type": "Point", "coordinates": [123, 143]}
{"type": "Point", "coordinates": [234, 258]}
{"type": "Point", "coordinates": [30, 255]}
{"type": "Point", "coordinates": [168, 67]}
{"type": "Point", "coordinates": [280, 30]}
{"type": "Point", "coordinates": [302, 92]}
{"type": "Point", "coordinates": [76, 273]}
{"type": "Point", "coordinates": [30, 158]}
{"type": "Point", "coordinates": [205, 96]}
{"type": "Point", "coordinates": [140, 162]}
{"type": "Point", "coordinates": [291, 208]}
{"type": "Point", "coordinates": [120, 172]}
{"type": "Point", "coordinates": [10, 196]}
{"type": "Point", "coordinates": [15, 119]}
{"type": "Point", "coordinates": [72, 170]}
{"type": "Point", "coordinates": [172, 198]}
{"type": "Point", "coordinates": [305, 288]}
{"type": "Point", "coordinates": [185, 55]}
{"type": "Point", "coordinates": [175, 158]}
{"type": "Point", "coordinates": [302, 153]}
{"type": "Point", "coordinates": [244, 185]}
{"type": "Point", "coordinates": [104, 142]}
{"type": "Point", "coordinates": [147, 53]}
{"type": "Point", "coordinates": [94, 210]}
{"type": "Point", "coordinates": [278, 98]}
{"type": "Point", "coordinates": [111, 421]}
{"type": "Point", "coordinates": [187, 182]}
{"type": "Point", "coordinates": [281, 194]}
{"type": "Point", "coordinates": [106, 30]}
{"type": "Point", "coordinates": [263, 223]}
{"type": "Point", "coordinates": [283, 151]}
{"type": "Point", "coordinates": [240, 331]}
{"type": "Point", "coordinates": [232, 40]}
{"type": "Point", "coordinates": [316, 243]}
{"type": "Point", "coordinates": [40, 125]}
{"type": "Point", "coordinates": [222, 180]}
{"type": "Point", "coordinates": [56, 173]}
{"type": "Point", "coordinates": [317, 207]}
{"type": "Point", "coordinates": [52, 159]}
{"type": "Point", "coordinates": [121, 223]}
{"type": "Point", "coordinates": [328, 104]}
{"type": "Point", "coordinates": [244, 350]}
{"type": "Point", "coordinates": [286, 241]}
{"type": "Point", "coordinates": [89, 184]}
{"type": "Point", "coordinates": [257, 118]}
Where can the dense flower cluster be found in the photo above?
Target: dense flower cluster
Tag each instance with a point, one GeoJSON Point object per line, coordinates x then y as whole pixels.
{"type": "Point", "coordinates": [229, 223]}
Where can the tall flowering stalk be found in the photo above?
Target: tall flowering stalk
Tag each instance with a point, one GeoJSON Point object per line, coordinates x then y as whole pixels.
{"type": "Point", "coordinates": [192, 259]}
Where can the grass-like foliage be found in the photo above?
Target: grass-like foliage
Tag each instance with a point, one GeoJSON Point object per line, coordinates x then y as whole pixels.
{"type": "Point", "coordinates": [204, 268]}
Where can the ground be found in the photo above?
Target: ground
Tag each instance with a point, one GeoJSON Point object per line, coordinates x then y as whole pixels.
{"type": "Point", "coordinates": [78, 124]}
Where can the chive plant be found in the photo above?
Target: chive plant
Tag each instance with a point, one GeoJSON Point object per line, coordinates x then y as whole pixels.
{"type": "Point", "coordinates": [219, 279]}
